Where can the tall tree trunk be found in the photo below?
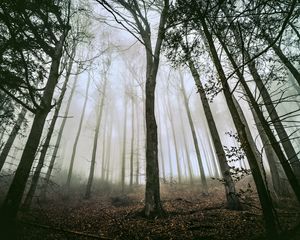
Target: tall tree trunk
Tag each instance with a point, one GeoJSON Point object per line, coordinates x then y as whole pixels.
{"type": "Point", "coordinates": [276, 146]}
{"type": "Point", "coordinates": [194, 135]}
{"type": "Point", "coordinates": [265, 200]}
{"type": "Point", "coordinates": [77, 136]}
{"type": "Point", "coordinates": [275, 119]}
{"type": "Point", "coordinates": [276, 170]}
{"type": "Point", "coordinates": [153, 204]}
{"type": "Point", "coordinates": [132, 141]}
{"type": "Point", "coordinates": [186, 150]}
{"type": "Point", "coordinates": [59, 137]}
{"type": "Point", "coordinates": [175, 142]}
{"type": "Point", "coordinates": [40, 165]}
{"type": "Point", "coordinates": [104, 152]}
{"type": "Point", "coordinates": [108, 150]}
{"type": "Point", "coordinates": [95, 145]}
{"type": "Point", "coordinates": [137, 145]}
{"type": "Point", "coordinates": [11, 138]}
{"type": "Point", "coordinates": [14, 196]}
{"type": "Point", "coordinates": [123, 159]}
{"type": "Point", "coordinates": [162, 160]}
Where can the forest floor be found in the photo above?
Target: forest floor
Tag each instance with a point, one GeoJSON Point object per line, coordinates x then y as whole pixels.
{"type": "Point", "coordinates": [190, 215]}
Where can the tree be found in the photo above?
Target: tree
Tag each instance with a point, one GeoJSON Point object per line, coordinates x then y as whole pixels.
{"type": "Point", "coordinates": [141, 29]}
{"type": "Point", "coordinates": [68, 183]}
{"type": "Point", "coordinates": [98, 122]}
{"type": "Point", "coordinates": [51, 43]}
{"type": "Point", "coordinates": [193, 131]}
{"type": "Point", "coordinates": [45, 146]}
{"type": "Point", "coordinates": [59, 137]}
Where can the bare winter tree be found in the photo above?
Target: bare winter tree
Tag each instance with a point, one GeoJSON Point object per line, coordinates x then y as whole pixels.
{"type": "Point", "coordinates": [139, 26]}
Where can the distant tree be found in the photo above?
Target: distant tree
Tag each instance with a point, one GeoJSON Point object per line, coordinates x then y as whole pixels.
{"type": "Point", "coordinates": [100, 108]}
{"type": "Point", "coordinates": [74, 149]}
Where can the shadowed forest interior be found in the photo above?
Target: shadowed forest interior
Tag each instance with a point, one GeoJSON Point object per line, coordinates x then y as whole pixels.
{"type": "Point", "coordinates": [149, 119]}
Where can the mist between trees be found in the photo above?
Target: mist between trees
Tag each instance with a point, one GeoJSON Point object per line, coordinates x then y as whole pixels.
{"type": "Point", "coordinates": [100, 97]}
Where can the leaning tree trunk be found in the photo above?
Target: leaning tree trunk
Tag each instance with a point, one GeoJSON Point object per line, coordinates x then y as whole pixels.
{"type": "Point", "coordinates": [58, 140]}
{"type": "Point", "coordinates": [283, 58]}
{"type": "Point", "coordinates": [10, 206]}
{"type": "Point", "coordinates": [196, 145]}
{"type": "Point", "coordinates": [123, 159]}
{"type": "Point", "coordinates": [77, 136]}
{"type": "Point", "coordinates": [264, 123]}
{"type": "Point", "coordinates": [40, 165]}
{"type": "Point", "coordinates": [230, 191]}
{"type": "Point", "coordinates": [265, 200]}
{"type": "Point", "coordinates": [96, 136]}
{"type": "Point", "coordinates": [275, 119]}
{"type": "Point", "coordinates": [11, 138]}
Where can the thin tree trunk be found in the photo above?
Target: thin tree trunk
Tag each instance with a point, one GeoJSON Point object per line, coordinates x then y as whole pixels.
{"type": "Point", "coordinates": [58, 140]}
{"type": "Point", "coordinates": [40, 165]}
{"type": "Point", "coordinates": [77, 136]}
{"type": "Point", "coordinates": [265, 200]}
{"type": "Point", "coordinates": [11, 138]}
{"type": "Point", "coordinates": [169, 145]}
{"type": "Point", "coordinates": [276, 146]}
{"type": "Point", "coordinates": [132, 141]}
{"type": "Point", "coordinates": [230, 191]}
{"type": "Point", "coordinates": [161, 150]}
{"type": "Point", "coordinates": [137, 145]}
{"type": "Point", "coordinates": [123, 159]}
{"type": "Point", "coordinates": [175, 143]}
{"type": "Point", "coordinates": [104, 152]}
{"type": "Point", "coordinates": [186, 150]}
{"type": "Point", "coordinates": [96, 136]}
{"type": "Point", "coordinates": [108, 150]}
{"type": "Point", "coordinates": [275, 119]}
{"type": "Point", "coordinates": [195, 140]}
